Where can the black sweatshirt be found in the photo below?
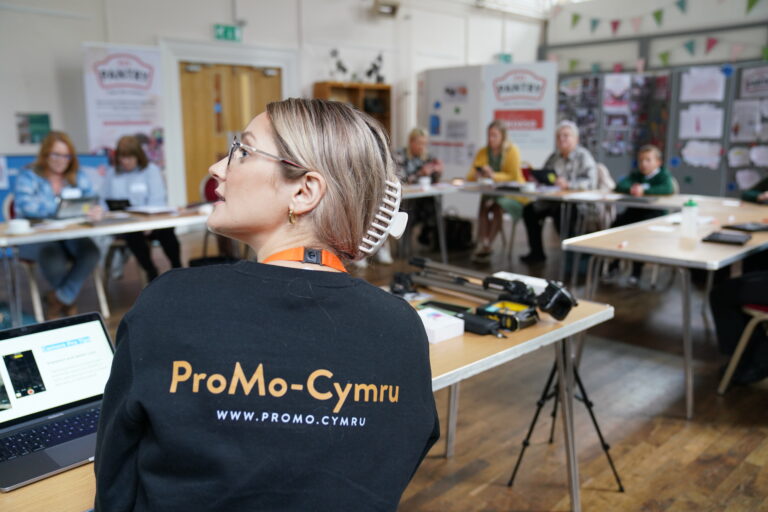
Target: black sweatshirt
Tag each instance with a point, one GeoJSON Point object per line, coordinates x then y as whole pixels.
{"type": "Point", "coordinates": [258, 387]}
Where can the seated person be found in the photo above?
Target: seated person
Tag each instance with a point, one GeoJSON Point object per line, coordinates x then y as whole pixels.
{"type": "Point", "coordinates": [414, 162]}
{"type": "Point", "coordinates": [576, 170]}
{"type": "Point", "coordinates": [65, 264]}
{"type": "Point", "coordinates": [758, 193]}
{"type": "Point", "coordinates": [135, 178]}
{"type": "Point", "coordinates": [331, 374]}
{"type": "Point", "coordinates": [650, 179]}
{"type": "Point", "coordinates": [499, 160]}
{"type": "Point", "coordinates": [726, 301]}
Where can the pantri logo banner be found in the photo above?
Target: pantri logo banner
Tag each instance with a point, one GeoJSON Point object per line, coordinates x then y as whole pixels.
{"type": "Point", "coordinates": [519, 84]}
{"type": "Point", "coordinates": [121, 70]}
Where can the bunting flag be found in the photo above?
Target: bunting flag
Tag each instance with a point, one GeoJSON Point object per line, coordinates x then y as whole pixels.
{"type": "Point", "coordinates": [636, 22]}
{"type": "Point", "coordinates": [640, 65]}
{"type": "Point", "coordinates": [664, 57]}
{"type": "Point", "coordinates": [553, 57]}
{"type": "Point", "coordinates": [573, 64]}
{"type": "Point", "coordinates": [711, 43]}
{"type": "Point", "coordinates": [618, 67]}
{"type": "Point", "coordinates": [596, 67]}
{"type": "Point", "coordinates": [575, 17]}
{"type": "Point", "coordinates": [690, 45]}
{"type": "Point", "coordinates": [765, 52]}
{"type": "Point", "coordinates": [615, 26]}
{"type": "Point", "coordinates": [682, 5]}
{"type": "Point", "coordinates": [556, 10]}
{"type": "Point", "coordinates": [751, 5]}
{"type": "Point", "coordinates": [658, 15]}
{"type": "Point", "coordinates": [736, 50]}
{"type": "Point", "coordinates": [593, 23]}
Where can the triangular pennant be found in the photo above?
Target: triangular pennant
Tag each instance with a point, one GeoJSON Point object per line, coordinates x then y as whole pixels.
{"type": "Point", "coordinates": [711, 43]}
{"type": "Point", "coordinates": [640, 65]}
{"type": "Point", "coordinates": [682, 5]}
{"type": "Point", "coordinates": [615, 26]}
{"type": "Point", "coordinates": [618, 67]}
{"type": "Point", "coordinates": [593, 23]}
{"type": "Point", "coordinates": [690, 45]}
{"type": "Point", "coordinates": [736, 50]}
{"type": "Point", "coordinates": [575, 17]}
{"type": "Point", "coordinates": [765, 52]}
{"type": "Point", "coordinates": [553, 57]}
{"type": "Point", "coordinates": [573, 64]}
{"type": "Point", "coordinates": [664, 57]}
{"type": "Point", "coordinates": [596, 67]}
{"type": "Point", "coordinates": [636, 22]}
{"type": "Point", "coordinates": [556, 10]}
{"type": "Point", "coordinates": [751, 4]}
{"type": "Point", "coordinates": [658, 15]}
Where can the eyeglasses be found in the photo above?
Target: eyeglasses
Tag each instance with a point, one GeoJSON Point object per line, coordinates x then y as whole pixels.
{"type": "Point", "coordinates": [236, 144]}
{"type": "Point", "coordinates": [60, 156]}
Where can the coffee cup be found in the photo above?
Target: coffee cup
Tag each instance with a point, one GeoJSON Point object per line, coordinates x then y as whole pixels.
{"type": "Point", "coordinates": [425, 182]}
{"type": "Point", "coordinates": [18, 226]}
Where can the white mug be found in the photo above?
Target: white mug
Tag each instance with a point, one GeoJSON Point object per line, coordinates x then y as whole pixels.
{"type": "Point", "coordinates": [18, 226]}
{"type": "Point", "coordinates": [425, 182]}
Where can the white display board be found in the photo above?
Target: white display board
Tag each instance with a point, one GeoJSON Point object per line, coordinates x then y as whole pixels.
{"type": "Point", "coordinates": [122, 97]}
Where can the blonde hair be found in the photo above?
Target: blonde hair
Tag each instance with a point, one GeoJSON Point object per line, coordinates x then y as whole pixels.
{"type": "Point", "coordinates": [46, 148]}
{"type": "Point", "coordinates": [499, 125]}
{"type": "Point", "coordinates": [650, 148]}
{"type": "Point", "coordinates": [416, 132]}
{"type": "Point", "coordinates": [351, 150]}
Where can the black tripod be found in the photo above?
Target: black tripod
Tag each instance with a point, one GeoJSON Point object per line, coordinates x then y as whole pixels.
{"type": "Point", "coordinates": [545, 396]}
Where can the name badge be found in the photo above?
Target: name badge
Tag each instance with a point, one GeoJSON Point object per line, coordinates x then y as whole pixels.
{"type": "Point", "coordinates": [71, 193]}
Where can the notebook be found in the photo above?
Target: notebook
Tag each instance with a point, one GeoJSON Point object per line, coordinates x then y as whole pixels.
{"type": "Point", "coordinates": [724, 237]}
{"type": "Point", "coordinates": [74, 207]}
{"type": "Point", "coordinates": [748, 226]}
{"type": "Point", "coordinates": [52, 377]}
{"type": "Point", "coordinates": [544, 176]}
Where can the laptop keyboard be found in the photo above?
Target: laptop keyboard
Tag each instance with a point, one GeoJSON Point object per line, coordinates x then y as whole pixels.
{"type": "Point", "coordinates": [50, 434]}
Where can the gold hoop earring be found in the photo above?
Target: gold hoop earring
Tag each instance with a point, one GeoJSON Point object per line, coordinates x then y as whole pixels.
{"type": "Point", "coordinates": [291, 216]}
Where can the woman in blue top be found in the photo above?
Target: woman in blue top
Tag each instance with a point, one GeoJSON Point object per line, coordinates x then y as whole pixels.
{"type": "Point", "coordinates": [136, 179]}
{"type": "Point", "coordinates": [68, 263]}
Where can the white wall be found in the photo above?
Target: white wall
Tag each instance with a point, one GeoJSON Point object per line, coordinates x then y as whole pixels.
{"type": "Point", "coordinates": [41, 60]}
{"type": "Point", "coordinates": [700, 15]}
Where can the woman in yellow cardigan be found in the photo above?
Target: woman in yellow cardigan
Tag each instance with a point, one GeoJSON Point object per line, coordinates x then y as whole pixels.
{"type": "Point", "coordinates": [498, 161]}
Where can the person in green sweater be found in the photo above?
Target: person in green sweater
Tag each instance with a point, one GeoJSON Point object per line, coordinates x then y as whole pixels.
{"type": "Point", "coordinates": [650, 179]}
{"type": "Point", "coordinates": [758, 193]}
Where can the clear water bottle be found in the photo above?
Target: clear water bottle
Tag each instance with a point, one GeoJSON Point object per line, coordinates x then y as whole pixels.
{"type": "Point", "coordinates": [689, 220]}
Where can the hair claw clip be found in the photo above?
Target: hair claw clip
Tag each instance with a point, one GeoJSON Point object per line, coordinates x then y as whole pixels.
{"type": "Point", "coordinates": [388, 220]}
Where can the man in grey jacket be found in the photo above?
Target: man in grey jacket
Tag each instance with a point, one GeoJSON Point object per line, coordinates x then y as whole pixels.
{"type": "Point", "coordinates": [576, 170]}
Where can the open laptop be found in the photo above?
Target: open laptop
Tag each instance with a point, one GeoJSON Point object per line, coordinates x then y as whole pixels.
{"type": "Point", "coordinates": [52, 377]}
{"type": "Point", "coordinates": [71, 208]}
{"type": "Point", "coordinates": [544, 176]}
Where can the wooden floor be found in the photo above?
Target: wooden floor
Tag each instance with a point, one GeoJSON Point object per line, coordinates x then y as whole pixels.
{"type": "Point", "coordinates": [632, 369]}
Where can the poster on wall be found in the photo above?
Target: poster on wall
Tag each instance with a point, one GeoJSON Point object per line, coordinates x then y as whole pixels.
{"type": "Point", "coordinates": [524, 97]}
{"type": "Point", "coordinates": [32, 128]}
{"type": "Point", "coordinates": [701, 121]}
{"type": "Point", "coordinates": [616, 93]}
{"type": "Point", "coordinates": [745, 120]}
{"type": "Point", "coordinates": [754, 82]}
{"type": "Point", "coordinates": [705, 83]}
{"type": "Point", "coordinates": [122, 97]}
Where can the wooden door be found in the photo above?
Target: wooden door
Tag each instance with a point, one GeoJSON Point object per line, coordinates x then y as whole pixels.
{"type": "Point", "coordinates": [217, 101]}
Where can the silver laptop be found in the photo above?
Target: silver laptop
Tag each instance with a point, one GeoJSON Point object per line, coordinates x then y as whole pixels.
{"type": "Point", "coordinates": [73, 208]}
{"type": "Point", "coordinates": [52, 377]}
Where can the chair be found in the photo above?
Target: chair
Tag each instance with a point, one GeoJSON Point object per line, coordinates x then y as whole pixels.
{"type": "Point", "coordinates": [759, 314]}
{"type": "Point", "coordinates": [30, 267]}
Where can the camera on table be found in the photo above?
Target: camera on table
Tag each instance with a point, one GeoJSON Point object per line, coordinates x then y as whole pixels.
{"type": "Point", "coordinates": [556, 300]}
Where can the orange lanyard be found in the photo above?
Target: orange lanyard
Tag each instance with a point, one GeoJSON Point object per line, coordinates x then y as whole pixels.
{"type": "Point", "coordinates": [306, 255]}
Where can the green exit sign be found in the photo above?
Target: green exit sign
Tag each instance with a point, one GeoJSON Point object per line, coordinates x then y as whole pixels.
{"type": "Point", "coordinates": [227, 33]}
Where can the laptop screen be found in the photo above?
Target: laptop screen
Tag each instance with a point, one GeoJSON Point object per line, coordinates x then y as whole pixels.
{"type": "Point", "coordinates": [48, 367]}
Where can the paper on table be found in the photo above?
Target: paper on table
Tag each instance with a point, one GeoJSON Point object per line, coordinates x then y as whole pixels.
{"type": "Point", "coordinates": [701, 121]}
{"type": "Point", "coordinates": [759, 155]}
{"type": "Point", "coordinates": [586, 196]}
{"type": "Point", "coordinates": [675, 218]}
{"type": "Point", "coordinates": [538, 284]}
{"type": "Point", "coordinates": [151, 210]}
{"type": "Point", "coordinates": [662, 229]}
{"type": "Point", "coordinates": [747, 178]}
{"type": "Point", "coordinates": [702, 154]}
{"type": "Point", "coordinates": [745, 120]}
{"type": "Point", "coordinates": [738, 156]}
{"type": "Point", "coordinates": [706, 83]}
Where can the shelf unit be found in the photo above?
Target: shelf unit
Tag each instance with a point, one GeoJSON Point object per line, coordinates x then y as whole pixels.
{"type": "Point", "coordinates": [373, 99]}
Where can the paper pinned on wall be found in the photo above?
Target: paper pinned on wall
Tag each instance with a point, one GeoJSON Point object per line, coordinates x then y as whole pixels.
{"type": "Point", "coordinates": [747, 178]}
{"type": "Point", "coordinates": [745, 120]}
{"type": "Point", "coordinates": [759, 155]}
{"type": "Point", "coordinates": [763, 135]}
{"type": "Point", "coordinates": [700, 153]}
{"type": "Point", "coordinates": [764, 107]}
{"type": "Point", "coordinates": [705, 83]}
{"type": "Point", "coordinates": [738, 156]}
{"type": "Point", "coordinates": [701, 121]}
